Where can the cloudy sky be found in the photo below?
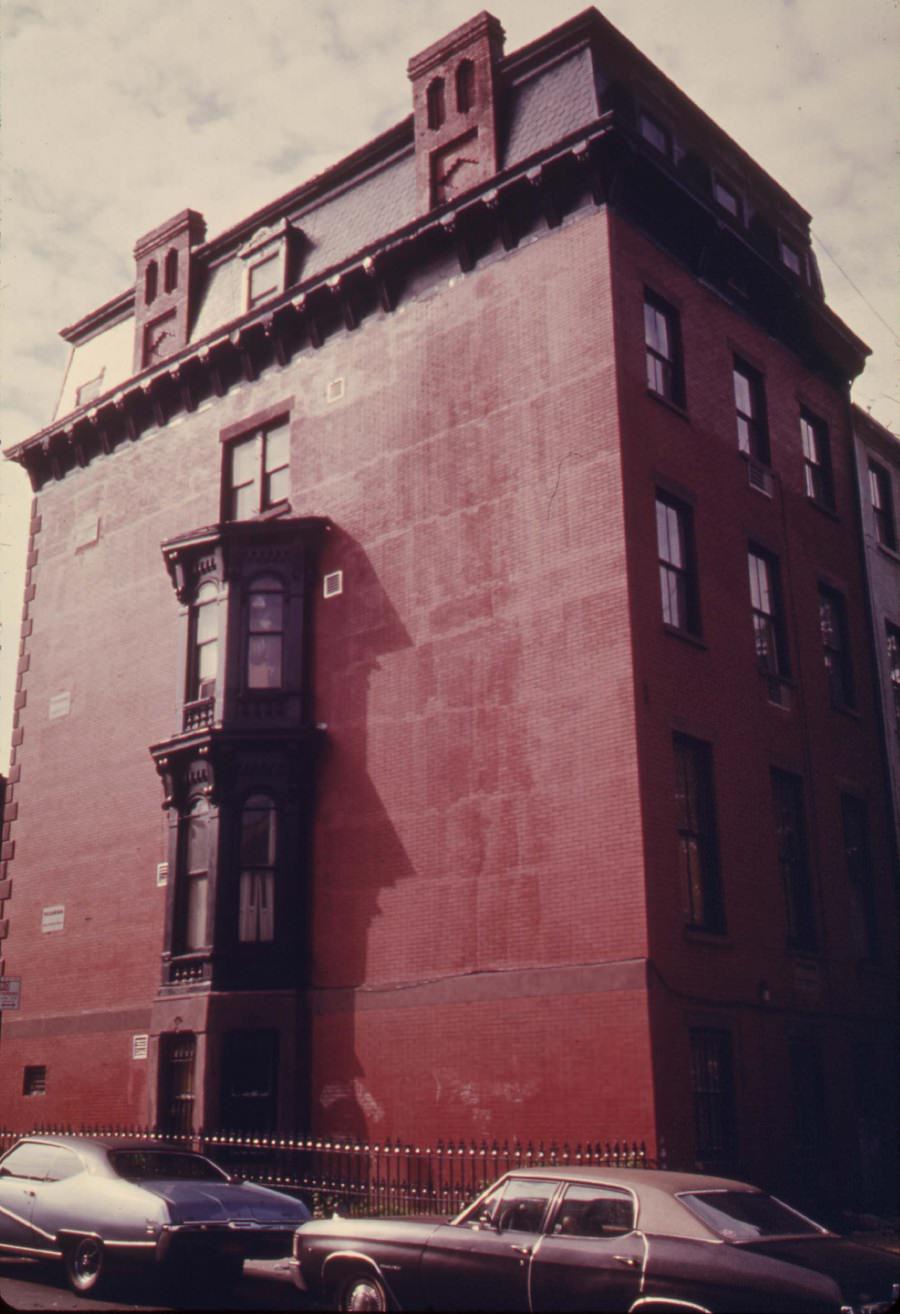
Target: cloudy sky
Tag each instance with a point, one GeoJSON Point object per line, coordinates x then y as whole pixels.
{"type": "Point", "coordinates": [118, 113]}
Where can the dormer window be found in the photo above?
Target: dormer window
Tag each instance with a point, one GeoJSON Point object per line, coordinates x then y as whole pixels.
{"type": "Point", "coordinates": [257, 474]}
{"type": "Point", "coordinates": [263, 280]}
{"type": "Point", "coordinates": [170, 270]}
{"type": "Point", "coordinates": [436, 105]}
{"type": "Point", "coordinates": [265, 633]}
{"type": "Point", "coordinates": [465, 85]}
{"type": "Point", "coordinates": [204, 643]}
{"type": "Point", "coordinates": [269, 263]}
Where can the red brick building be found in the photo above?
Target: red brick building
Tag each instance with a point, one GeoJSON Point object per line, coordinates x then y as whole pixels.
{"type": "Point", "coordinates": [464, 550]}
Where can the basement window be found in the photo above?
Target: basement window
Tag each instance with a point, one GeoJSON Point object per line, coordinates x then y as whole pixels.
{"type": "Point", "coordinates": [35, 1081]}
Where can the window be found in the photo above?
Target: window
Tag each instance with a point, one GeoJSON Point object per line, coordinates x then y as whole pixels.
{"type": "Point", "coordinates": [151, 282]}
{"type": "Point", "coordinates": [256, 920]}
{"type": "Point", "coordinates": [817, 476]}
{"type": "Point", "coordinates": [808, 1087]}
{"type": "Point", "coordinates": [436, 108]}
{"type": "Point", "coordinates": [790, 834]}
{"type": "Point", "coordinates": [712, 1087]}
{"type": "Point", "coordinates": [882, 506]}
{"type": "Point", "coordinates": [594, 1211]}
{"type": "Point", "coordinates": [177, 1052]}
{"type": "Point", "coordinates": [203, 658]}
{"type": "Point", "coordinates": [836, 646]}
{"type": "Point", "coordinates": [750, 407]}
{"type": "Point", "coordinates": [765, 603]}
{"type": "Point", "coordinates": [264, 280]}
{"type": "Point", "coordinates": [698, 859]}
{"type": "Point", "coordinates": [87, 392]}
{"type": "Point", "coordinates": [258, 472]}
{"type": "Point", "coordinates": [726, 198]}
{"type": "Point", "coordinates": [265, 633]}
{"type": "Point", "coordinates": [864, 925]}
{"type": "Point", "coordinates": [34, 1081]}
{"type": "Point", "coordinates": [655, 134]}
{"type": "Point", "coordinates": [250, 1081]}
{"type": "Point", "coordinates": [519, 1204]}
{"type": "Point", "coordinates": [30, 1160]}
{"type": "Point", "coordinates": [893, 655]}
{"type": "Point", "coordinates": [662, 341]}
{"type": "Point", "coordinates": [170, 270]}
{"type": "Point", "coordinates": [791, 258]}
{"type": "Point", "coordinates": [195, 884]}
{"type": "Point", "coordinates": [677, 567]}
{"type": "Point", "coordinates": [465, 86]}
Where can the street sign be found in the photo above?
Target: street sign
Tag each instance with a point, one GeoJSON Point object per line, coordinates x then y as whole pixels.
{"type": "Point", "coordinates": [10, 991]}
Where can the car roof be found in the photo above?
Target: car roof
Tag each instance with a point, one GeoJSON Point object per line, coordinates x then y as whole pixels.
{"type": "Point", "coordinates": [656, 1190]}
{"type": "Point", "coordinates": [94, 1148]}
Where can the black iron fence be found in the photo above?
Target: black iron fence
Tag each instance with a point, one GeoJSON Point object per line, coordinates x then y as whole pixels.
{"type": "Point", "coordinates": [356, 1177]}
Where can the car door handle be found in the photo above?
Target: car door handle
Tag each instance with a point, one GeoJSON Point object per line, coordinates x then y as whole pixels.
{"type": "Point", "coordinates": [521, 1250]}
{"type": "Point", "coordinates": [628, 1260]}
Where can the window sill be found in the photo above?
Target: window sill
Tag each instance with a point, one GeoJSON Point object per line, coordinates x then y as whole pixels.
{"type": "Point", "coordinates": [704, 935]}
{"type": "Point", "coordinates": [282, 508]}
{"type": "Point", "coordinates": [844, 710]}
{"type": "Point", "coordinates": [891, 553]}
{"type": "Point", "coordinates": [675, 407]}
{"type": "Point", "coordinates": [824, 508]}
{"type": "Point", "coordinates": [779, 691]}
{"type": "Point", "coordinates": [693, 640]}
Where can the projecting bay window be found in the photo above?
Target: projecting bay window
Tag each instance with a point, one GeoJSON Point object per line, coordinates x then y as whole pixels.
{"type": "Point", "coordinates": [203, 657]}
{"type": "Point", "coordinates": [697, 845]}
{"type": "Point", "coordinates": [192, 930]}
{"type": "Point", "coordinates": [265, 633]}
{"type": "Point", "coordinates": [677, 566]}
{"type": "Point", "coordinates": [768, 624]}
{"type": "Point", "coordinates": [793, 865]}
{"type": "Point", "coordinates": [662, 344]}
{"type": "Point", "coordinates": [259, 835]}
{"type": "Point", "coordinates": [257, 472]}
{"type": "Point", "coordinates": [817, 476]}
{"type": "Point", "coordinates": [750, 411]}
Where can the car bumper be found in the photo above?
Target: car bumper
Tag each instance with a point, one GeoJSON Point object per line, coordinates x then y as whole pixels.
{"type": "Point", "coordinates": [199, 1240]}
{"type": "Point", "coordinates": [296, 1273]}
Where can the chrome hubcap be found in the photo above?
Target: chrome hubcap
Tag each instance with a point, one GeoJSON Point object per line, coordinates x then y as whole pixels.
{"type": "Point", "coordinates": [364, 1296]}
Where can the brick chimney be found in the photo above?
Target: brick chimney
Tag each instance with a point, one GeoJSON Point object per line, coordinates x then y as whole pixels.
{"type": "Point", "coordinates": [163, 284]}
{"type": "Point", "coordinates": [455, 94]}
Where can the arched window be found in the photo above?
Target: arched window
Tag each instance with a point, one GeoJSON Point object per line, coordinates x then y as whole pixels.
{"type": "Point", "coordinates": [435, 102]}
{"type": "Point", "coordinates": [465, 85]}
{"type": "Point", "coordinates": [195, 876]}
{"type": "Point", "coordinates": [204, 652]}
{"type": "Point", "coordinates": [259, 834]}
{"type": "Point", "coordinates": [265, 633]}
{"type": "Point", "coordinates": [170, 270]}
{"type": "Point", "coordinates": [151, 278]}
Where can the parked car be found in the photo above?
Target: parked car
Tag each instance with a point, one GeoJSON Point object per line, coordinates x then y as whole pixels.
{"type": "Point", "coordinates": [597, 1239]}
{"type": "Point", "coordinates": [92, 1203]}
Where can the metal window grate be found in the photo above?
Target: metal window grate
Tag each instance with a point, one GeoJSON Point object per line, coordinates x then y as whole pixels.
{"type": "Point", "coordinates": [35, 1081]}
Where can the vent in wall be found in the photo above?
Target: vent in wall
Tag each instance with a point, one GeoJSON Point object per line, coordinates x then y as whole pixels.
{"type": "Point", "coordinates": [139, 1046]}
{"type": "Point", "coordinates": [335, 390]}
{"type": "Point", "coordinates": [333, 584]}
{"type": "Point", "coordinates": [162, 873]}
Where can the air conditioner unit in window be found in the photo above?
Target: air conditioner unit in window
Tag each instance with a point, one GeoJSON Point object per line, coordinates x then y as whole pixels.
{"type": "Point", "coordinates": [207, 689]}
{"type": "Point", "coordinates": [760, 477]}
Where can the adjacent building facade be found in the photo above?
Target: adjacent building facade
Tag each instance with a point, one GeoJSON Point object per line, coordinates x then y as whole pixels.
{"type": "Point", "coordinates": [465, 552]}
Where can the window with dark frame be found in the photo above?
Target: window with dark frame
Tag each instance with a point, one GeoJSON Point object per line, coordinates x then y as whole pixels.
{"type": "Point", "coordinates": [892, 636]}
{"type": "Point", "coordinates": [698, 856]}
{"type": "Point", "coordinates": [712, 1088]}
{"type": "Point", "coordinates": [808, 1087]}
{"type": "Point", "coordinates": [655, 134]}
{"type": "Point", "coordinates": [817, 474]}
{"type": "Point", "coordinates": [726, 198]}
{"type": "Point", "coordinates": [791, 258]}
{"type": "Point", "coordinates": [750, 410]}
{"type": "Point", "coordinates": [258, 847]}
{"type": "Point", "coordinates": [435, 103]}
{"type": "Point", "coordinates": [836, 646]}
{"type": "Point", "coordinates": [863, 918]}
{"type": "Point", "coordinates": [677, 564]}
{"type": "Point", "coordinates": [882, 506]}
{"type": "Point", "coordinates": [265, 633]}
{"type": "Point", "coordinates": [768, 623]}
{"type": "Point", "coordinates": [203, 655]}
{"type": "Point", "coordinates": [193, 927]}
{"type": "Point", "coordinates": [249, 1100]}
{"type": "Point", "coordinates": [34, 1080]}
{"type": "Point", "coordinates": [662, 342]}
{"type": "Point", "coordinates": [257, 471]}
{"type": "Point", "coordinates": [793, 865]}
{"type": "Point", "coordinates": [465, 85]}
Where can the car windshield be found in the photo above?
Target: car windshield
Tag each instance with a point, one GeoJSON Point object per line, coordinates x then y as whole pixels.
{"type": "Point", "coordinates": [747, 1215]}
{"type": "Point", "coordinates": [138, 1165]}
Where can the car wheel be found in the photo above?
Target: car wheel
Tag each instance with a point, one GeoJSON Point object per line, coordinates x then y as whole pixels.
{"type": "Point", "coordinates": [363, 1292]}
{"type": "Point", "coordinates": [84, 1263]}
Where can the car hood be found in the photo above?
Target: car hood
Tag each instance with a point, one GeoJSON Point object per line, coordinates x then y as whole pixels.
{"type": "Point", "coordinates": [860, 1271]}
{"type": "Point", "coordinates": [419, 1227]}
{"type": "Point", "coordinates": [217, 1202]}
